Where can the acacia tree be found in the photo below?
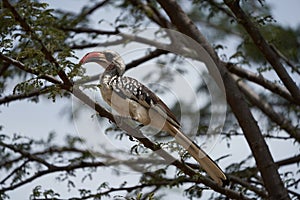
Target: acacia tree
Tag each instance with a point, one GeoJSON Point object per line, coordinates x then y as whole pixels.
{"type": "Point", "coordinates": [39, 48]}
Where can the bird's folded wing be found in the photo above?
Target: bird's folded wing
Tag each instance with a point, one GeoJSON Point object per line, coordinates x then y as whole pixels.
{"type": "Point", "coordinates": [127, 87]}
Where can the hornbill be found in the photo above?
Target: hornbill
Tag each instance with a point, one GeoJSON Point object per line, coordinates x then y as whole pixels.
{"type": "Point", "coordinates": [130, 98]}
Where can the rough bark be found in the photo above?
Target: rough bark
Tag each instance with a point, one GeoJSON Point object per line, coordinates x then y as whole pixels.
{"type": "Point", "coordinates": [262, 155]}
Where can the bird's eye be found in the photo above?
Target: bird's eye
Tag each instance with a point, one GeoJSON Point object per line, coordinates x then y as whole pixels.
{"type": "Point", "coordinates": [109, 57]}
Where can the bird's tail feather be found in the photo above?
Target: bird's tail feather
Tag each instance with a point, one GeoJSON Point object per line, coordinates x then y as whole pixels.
{"type": "Point", "coordinates": [212, 169]}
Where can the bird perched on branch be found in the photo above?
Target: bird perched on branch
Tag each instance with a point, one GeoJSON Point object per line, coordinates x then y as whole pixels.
{"type": "Point", "coordinates": [132, 99]}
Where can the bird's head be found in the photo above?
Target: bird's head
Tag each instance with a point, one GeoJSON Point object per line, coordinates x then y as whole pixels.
{"type": "Point", "coordinates": [105, 58]}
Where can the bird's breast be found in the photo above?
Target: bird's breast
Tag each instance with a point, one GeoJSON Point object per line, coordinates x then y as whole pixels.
{"type": "Point", "coordinates": [106, 88]}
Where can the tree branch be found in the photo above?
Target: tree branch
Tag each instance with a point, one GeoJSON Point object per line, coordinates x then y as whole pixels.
{"type": "Point", "coordinates": [297, 195]}
{"type": "Point", "coordinates": [267, 135]}
{"type": "Point", "coordinates": [133, 132]}
{"type": "Point", "coordinates": [161, 183]}
{"type": "Point", "coordinates": [221, 8]}
{"type": "Point", "coordinates": [89, 30]}
{"type": "Point", "coordinates": [99, 44]}
{"type": "Point", "coordinates": [26, 154]}
{"type": "Point", "coordinates": [280, 163]}
{"type": "Point", "coordinates": [14, 97]}
{"type": "Point", "coordinates": [149, 56]}
{"type": "Point", "coordinates": [51, 170]}
{"type": "Point", "coordinates": [260, 80]}
{"type": "Point", "coordinates": [286, 60]}
{"type": "Point", "coordinates": [29, 70]}
{"type": "Point", "coordinates": [45, 51]}
{"type": "Point", "coordinates": [268, 110]}
{"type": "Point", "coordinates": [50, 150]}
{"type": "Point", "coordinates": [235, 98]}
{"type": "Point", "coordinates": [152, 13]}
{"type": "Point", "coordinates": [13, 172]}
{"type": "Point", "coordinates": [262, 155]}
{"type": "Point", "coordinates": [125, 38]}
{"type": "Point", "coordinates": [264, 47]}
{"type": "Point", "coordinates": [89, 11]}
{"type": "Point", "coordinates": [260, 192]}
{"type": "Point", "coordinates": [288, 161]}
{"type": "Point", "coordinates": [157, 149]}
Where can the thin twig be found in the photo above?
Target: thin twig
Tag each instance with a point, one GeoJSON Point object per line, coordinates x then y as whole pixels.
{"type": "Point", "coordinates": [13, 172]}
{"type": "Point", "coordinates": [36, 92]}
{"type": "Point", "coordinates": [89, 30]}
{"type": "Point", "coordinates": [51, 170]}
{"type": "Point", "coordinates": [95, 7]}
{"type": "Point", "coordinates": [247, 185]}
{"type": "Point", "coordinates": [29, 70]}
{"type": "Point", "coordinates": [279, 119]}
{"type": "Point", "coordinates": [152, 13]}
{"type": "Point", "coordinates": [149, 56]}
{"type": "Point", "coordinates": [260, 80]}
{"type": "Point", "coordinates": [288, 62]}
{"type": "Point", "coordinates": [288, 161]}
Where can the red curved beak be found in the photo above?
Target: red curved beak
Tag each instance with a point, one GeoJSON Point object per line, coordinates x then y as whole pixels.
{"type": "Point", "coordinates": [97, 57]}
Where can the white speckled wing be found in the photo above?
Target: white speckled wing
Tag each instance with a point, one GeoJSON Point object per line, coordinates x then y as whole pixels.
{"type": "Point", "coordinates": [130, 88]}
